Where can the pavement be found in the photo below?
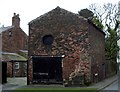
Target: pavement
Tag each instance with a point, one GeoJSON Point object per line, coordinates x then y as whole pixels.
{"type": "Point", "coordinates": [15, 82]}
{"type": "Point", "coordinates": [100, 85]}
{"type": "Point", "coordinates": [105, 83]}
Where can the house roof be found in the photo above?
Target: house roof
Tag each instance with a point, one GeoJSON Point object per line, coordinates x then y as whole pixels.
{"type": "Point", "coordinates": [61, 11]}
{"type": "Point", "coordinates": [5, 28]}
{"type": "Point", "coordinates": [6, 56]}
{"type": "Point", "coordinates": [57, 10]}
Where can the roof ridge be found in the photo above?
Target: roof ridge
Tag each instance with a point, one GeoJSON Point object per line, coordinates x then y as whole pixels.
{"type": "Point", "coordinates": [2, 29]}
{"type": "Point", "coordinates": [57, 10]}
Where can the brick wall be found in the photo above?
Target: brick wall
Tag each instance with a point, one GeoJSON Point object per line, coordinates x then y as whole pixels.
{"type": "Point", "coordinates": [17, 41]}
{"type": "Point", "coordinates": [9, 69]}
{"type": "Point", "coordinates": [22, 71]}
{"type": "Point", "coordinates": [13, 40]}
{"type": "Point", "coordinates": [12, 72]}
{"type": "Point", "coordinates": [97, 52]}
{"type": "Point", "coordinates": [71, 38]}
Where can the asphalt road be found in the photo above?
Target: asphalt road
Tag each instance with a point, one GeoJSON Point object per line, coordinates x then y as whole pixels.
{"type": "Point", "coordinates": [113, 86]}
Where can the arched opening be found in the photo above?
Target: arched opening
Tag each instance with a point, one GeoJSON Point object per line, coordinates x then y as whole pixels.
{"type": "Point", "coordinates": [48, 39]}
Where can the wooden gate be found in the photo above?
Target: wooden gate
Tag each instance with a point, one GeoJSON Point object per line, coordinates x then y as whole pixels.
{"type": "Point", "coordinates": [47, 69]}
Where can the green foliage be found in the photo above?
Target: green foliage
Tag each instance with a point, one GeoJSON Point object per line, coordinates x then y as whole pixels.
{"type": "Point", "coordinates": [111, 46]}
{"type": "Point", "coordinates": [97, 22]}
{"type": "Point", "coordinates": [55, 89]}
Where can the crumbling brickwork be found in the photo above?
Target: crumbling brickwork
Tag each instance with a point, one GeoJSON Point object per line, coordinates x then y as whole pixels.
{"type": "Point", "coordinates": [73, 37]}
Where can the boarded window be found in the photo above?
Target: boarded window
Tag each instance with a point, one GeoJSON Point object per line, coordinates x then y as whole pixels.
{"type": "Point", "coordinates": [48, 40]}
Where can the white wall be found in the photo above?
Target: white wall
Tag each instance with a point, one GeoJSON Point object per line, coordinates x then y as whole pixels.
{"type": "Point", "coordinates": [118, 59]}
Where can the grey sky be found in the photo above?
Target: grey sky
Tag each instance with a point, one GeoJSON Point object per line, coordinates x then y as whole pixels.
{"type": "Point", "coordinates": [30, 9]}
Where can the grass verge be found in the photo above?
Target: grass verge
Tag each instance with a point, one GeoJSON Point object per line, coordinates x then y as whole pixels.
{"type": "Point", "coordinates": [55, 90]}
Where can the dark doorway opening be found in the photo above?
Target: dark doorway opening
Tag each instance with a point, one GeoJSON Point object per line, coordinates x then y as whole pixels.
{"type": "Point", "coordinates": [4, 72]}
{"type": "Point", "coordinates": [47, 69]}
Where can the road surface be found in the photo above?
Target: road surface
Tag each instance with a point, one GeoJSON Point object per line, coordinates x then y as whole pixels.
{"type": "Point", "coordinates": [113, 86]}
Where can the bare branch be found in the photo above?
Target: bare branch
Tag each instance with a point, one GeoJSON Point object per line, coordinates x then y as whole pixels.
{"type": "Point", "coordinates": [108, 14]}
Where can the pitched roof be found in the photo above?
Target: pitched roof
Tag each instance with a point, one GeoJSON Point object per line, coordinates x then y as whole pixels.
{"type": "Point", "coordinates": [57, 10]}
{"type": "Point", "coordinates": [5, 28]}
{"type": "Point", "coordinates": [61, 11]}
{"type": "Point", "coordinates": [6, 56]}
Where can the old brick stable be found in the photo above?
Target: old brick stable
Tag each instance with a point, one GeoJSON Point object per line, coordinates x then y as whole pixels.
{"type": "Point", "coordinates": [64, 46]}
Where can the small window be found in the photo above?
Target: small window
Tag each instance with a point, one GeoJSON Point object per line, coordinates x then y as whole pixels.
{"type": "Point", "coordinates": [16, 65]}
{"type": "Point", "coordinates": [10, 34]}
{"type": "Point", "coordinates": [48, 40]}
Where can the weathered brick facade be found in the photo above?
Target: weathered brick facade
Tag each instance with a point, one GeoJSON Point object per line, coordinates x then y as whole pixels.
{"type": "Point", "coordinates": [13, 72]}
{"type": "Point", "coordinates": [13, 39]}
{"type": "Point", "coordinates": [77, 38]}
{"type": "Point", "coordinates": [97, 52]}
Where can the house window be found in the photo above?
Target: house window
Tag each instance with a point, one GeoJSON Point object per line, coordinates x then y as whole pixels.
{"type": "Point", "coordinates": [48, 40]}
{"type": "Point", "coordinates": [16, 65]}
{"type": "Point", "coordinates": [10, 34]}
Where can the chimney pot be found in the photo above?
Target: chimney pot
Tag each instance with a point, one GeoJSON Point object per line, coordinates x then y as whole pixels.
{"type": "Point", "coordinates": [14, 14]}
{"type": "Point", "coordinates": [17, 15]}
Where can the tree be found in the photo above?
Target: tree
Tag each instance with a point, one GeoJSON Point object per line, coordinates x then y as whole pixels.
{"type": "Point", "coordinates": [108, 15]}
{"type": "Point", "coordinates": [111, 45]}
{"type": "Point", "coordinates": [112, 48]}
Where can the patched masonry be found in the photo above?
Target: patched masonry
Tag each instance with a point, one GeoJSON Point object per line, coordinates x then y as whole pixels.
{"type": "Point", "coordinates": [61, 33]}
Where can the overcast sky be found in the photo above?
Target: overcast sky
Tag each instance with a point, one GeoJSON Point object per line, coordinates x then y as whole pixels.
{"type": "Point", "coordinates": [30, 9]}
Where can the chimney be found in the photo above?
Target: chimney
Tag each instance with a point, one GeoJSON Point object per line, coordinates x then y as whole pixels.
{"type": "Point", "coordinates": [16, 20]}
